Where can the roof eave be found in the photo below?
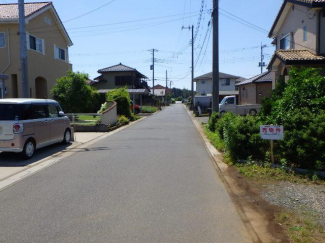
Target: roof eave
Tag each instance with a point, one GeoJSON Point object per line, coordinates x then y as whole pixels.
{"type": "Point", "coordinates": [51, 7]}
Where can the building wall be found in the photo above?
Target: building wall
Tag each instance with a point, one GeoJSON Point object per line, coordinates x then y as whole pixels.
{"type": "Point", "coordinates": [322, 34]}
{"type": "Point", "coordinates": [247, 94]}
{"type": "Point", "coordinates": [294, 23]}
{"type": "Point", "coordinates": [39, 65]}
{"type": "Point", "coordinates": [206, 88]}
{"type": "Point", "coordinates": [263, 90]}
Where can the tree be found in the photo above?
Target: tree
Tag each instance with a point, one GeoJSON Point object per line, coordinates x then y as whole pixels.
{"type": "Point", "coordinates": [75, 95]}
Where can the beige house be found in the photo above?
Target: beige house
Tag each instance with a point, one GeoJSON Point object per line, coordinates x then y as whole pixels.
{"type": "Point", "coordinates": [253, 90]}
{"type": "Point", "coordinates": [47, 44]}
{"type": "Point", "coordinates": [119, 76]}
{"type": "Point", "coordinates": [299, 36]}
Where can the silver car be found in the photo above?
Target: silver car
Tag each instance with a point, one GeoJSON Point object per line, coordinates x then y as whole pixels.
{"type": "Point", "coordinates": [30, 124]}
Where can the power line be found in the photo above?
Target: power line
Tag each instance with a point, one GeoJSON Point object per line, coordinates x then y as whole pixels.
{"type": "Point", "coordinates": [82, 15]}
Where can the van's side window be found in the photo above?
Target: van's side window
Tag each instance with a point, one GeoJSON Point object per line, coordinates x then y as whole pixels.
{"type": "Point", "coordinates": [53, 111]}
{"type": "Point", "coordinates": [39, 111]}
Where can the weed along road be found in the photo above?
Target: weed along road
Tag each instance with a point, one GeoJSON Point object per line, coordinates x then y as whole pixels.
{"type": "Point", "coordinates": [151, 182]}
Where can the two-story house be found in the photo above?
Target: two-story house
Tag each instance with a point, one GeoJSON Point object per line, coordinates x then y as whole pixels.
{"type": "Point", "coordinates": [119, 76]}
{"type": "Point", "coordinates": [299, 35]}
{"type": "Point", "coordinates": [227, 85]}
{"type": "Point", "coordinates": [47, 45]}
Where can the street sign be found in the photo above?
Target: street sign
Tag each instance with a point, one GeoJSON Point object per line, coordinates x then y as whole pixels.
{"type": "Point", "coordinates": [271, 132]}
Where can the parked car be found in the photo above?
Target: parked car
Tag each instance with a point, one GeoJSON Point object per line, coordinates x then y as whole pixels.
{"type": "Point", "coordinates": [30, 124]}
{"type": "Point", "coordinates": [137, 108]}
{"type": "Point", "coordinates": [229, 103]}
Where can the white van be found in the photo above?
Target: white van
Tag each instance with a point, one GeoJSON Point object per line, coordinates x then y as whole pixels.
{"type": "Point", "coordinates": [30, 124]}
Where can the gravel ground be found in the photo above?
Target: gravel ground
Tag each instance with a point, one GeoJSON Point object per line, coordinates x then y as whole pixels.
{"type": "Point", "coordinates": [308, 199]}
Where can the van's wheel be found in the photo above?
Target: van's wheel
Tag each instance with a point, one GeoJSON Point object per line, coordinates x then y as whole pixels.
{"type": "Point", "coordinates": [252, 112]}
{"type": "Point", "coordinates": [29, 149]}
{"type": "Point", "coordinates": [136, 111]}
{"type": "Point", "coordinates": [222, 113]}
{"type": "Point", "coordinates": [67, 137]}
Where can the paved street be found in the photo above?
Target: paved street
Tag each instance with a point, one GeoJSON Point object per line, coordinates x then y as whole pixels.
{"type": "Point", "coordinates": [151, 182]}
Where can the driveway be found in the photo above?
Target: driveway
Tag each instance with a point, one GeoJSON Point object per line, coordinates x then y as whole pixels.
{"type": "Point", "coordinates": [151, 182]}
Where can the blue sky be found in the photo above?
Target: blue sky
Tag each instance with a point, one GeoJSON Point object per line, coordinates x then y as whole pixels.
{"type": "Point", "coordinates": [130, 28]}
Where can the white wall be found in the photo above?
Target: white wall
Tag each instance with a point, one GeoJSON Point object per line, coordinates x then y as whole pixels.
{"type": "Point", "coordinates": [206, 88]}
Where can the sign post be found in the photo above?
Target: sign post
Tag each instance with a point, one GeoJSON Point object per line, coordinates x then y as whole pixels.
{"type": "Point", "coordinates": [271, 133]}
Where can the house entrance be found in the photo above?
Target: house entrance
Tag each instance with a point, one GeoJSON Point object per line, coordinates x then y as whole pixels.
{"type": "Point", "coordinates": [41, 88]}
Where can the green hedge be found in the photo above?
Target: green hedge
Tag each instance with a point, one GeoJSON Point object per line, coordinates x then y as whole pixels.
{"type": "Point", "coordinates": [299, 106]}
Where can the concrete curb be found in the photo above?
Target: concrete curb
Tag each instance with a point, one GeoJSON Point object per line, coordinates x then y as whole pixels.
{"type": "Point", "coordinates": [217, 159]}
{"type": "Point", "coordinates": [54, 159]}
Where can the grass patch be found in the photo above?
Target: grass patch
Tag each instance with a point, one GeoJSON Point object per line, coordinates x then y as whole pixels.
{"type": "Point", "coordinates": [300, 228]}
{"type": "Point", "coordinates": [149, 109]}
{"type": "Point", "coordinates": [214, 138]}
{"type": "Point", "coordinates": [266, 172]}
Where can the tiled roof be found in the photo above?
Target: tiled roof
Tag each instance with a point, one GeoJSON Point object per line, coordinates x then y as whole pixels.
{"type": "Point", "coordinates": [298, 55]}
{"type": "Point", "coordinates": [261, 78]}
{"type": "Point", "coordinates": [10, 11]}
{"type": "Point", "coordinates": [117, 68]}
{"type": "Point", "coordinates": [221, 76]}
{"type": "Point", "coordinates": [120, 68]}
{"type": "Point", "coordinates": [311, 1]}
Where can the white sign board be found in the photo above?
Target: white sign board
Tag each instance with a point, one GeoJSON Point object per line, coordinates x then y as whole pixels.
{"type": "Point", "coordinates": [271, 132]}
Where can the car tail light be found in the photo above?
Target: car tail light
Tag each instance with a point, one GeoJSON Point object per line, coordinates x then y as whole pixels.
{"type": "Point", "coordinates": [18, 128]}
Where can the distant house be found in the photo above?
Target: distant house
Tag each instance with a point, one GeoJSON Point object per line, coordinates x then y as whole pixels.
{"type": "Point", "coordinates": [119, 76]}
{"type": "Point", "coordinates": [160, 90]}
{"type": "Point", "coordinates": [299, 37]}
{"type": "Point", "coordinates": [47, 48]}
{"type": "Point", "coordinates": [253, 90]}
{"type": "Point", "coordinates": [227, 85]}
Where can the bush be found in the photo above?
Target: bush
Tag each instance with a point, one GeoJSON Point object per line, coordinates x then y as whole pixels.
{"type": "Point", "coordinates": [122, 120]}
{"type": "Point", "coordinates": [173, 101]}
{"type": "Point", "coordinates": [74, 95]}
{"type": "Point", "coordinates": [299, 106]}
{"type": "Point", "coordinates": [149, 109]}
{"type": "Point", "coordinates": [122, 98]}
{"type": "Point", "coordinates": [304, 140]}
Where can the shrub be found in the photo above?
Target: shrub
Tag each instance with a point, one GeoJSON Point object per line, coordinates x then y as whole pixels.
{"type": "Point", "coordinates": [304, 140]}
{"type": "Point", "coordinates": [122, 120]}
{"type": "Point", "coordinates": [213, 121]}
{"type": "Point", "coordinates": [122, 98]}
{"type": "Point", "coordinates": [74, 95]}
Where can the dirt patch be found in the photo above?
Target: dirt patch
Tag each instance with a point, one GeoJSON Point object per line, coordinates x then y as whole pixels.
{"type": "Point", "coordinates": [247, 195]}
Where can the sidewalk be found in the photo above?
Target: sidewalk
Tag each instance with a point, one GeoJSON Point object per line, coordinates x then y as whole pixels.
{"type": "Point", "coordinates": [11, 163]}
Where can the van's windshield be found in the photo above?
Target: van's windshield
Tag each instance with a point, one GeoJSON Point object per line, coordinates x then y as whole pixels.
{"type": "Point", "coordinates": [9, 112]}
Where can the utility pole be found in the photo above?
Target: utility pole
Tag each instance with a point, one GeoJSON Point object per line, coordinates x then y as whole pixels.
{"type": "Point", "coordinates": [153, 70]}
{"type": "Point", "coordinates": [215, 68]}
{"type": "Point", "coordinates": [23, 50]}
{"type": "Point", "coordinates": [262, 64]}
{"type": "Point", "coordinates": [166, 90]}
{"type": "Point", "coordinates": [192, 81]}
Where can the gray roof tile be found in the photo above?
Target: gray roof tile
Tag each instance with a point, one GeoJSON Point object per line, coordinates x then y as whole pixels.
{"type": "Point", "coordinates": [10, 11]}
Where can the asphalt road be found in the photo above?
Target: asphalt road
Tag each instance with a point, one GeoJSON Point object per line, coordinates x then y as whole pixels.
{"type": "Point", "coordinates": [152, 182]}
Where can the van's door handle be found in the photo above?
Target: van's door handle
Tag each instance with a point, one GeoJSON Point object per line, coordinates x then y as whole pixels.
{"type": "Point", "coordinates": [46, 121]}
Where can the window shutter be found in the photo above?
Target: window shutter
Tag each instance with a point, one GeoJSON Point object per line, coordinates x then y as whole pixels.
{"type": "Point", "coordinates": [27, 40]}
{"type": "Point", "coordinates": [43, 46]}
{"type": "Point", "coordinates": [56, 52]}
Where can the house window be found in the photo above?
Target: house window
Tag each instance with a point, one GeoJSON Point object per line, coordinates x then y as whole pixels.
{"type": "Point", "coordinates": [202, 82]}
{"type": "Point", "coordinates": [59, 53]}
{"type": "Point", "coordinates": [285, 42]}
{"type": "Point", "coordinates": [36, 44]}
{"type": "Point", "coordinates": [2, 40]}
{"type": "Point", "coordinates": [225, 82]}
{"type": "Point", "coordinates": [305, 33]}
{"type": "Point", "coordinates": [243, 92]}
{"type": "Point", "coordinates": [123, 80]}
